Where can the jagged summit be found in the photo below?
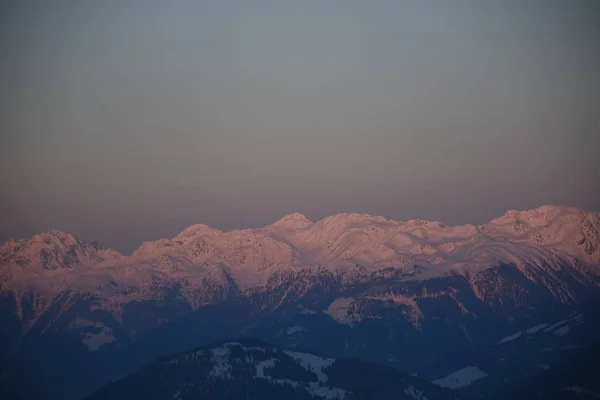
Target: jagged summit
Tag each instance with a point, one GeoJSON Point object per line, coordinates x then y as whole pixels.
{"type": "Point", "coordinates": [50, 250]}
{"type": "Point", "coordinates": [54, 234]}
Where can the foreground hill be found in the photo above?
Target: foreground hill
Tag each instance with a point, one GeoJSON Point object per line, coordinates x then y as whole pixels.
{"type": "Point", "coordinates": [426, 298]}
{"type": "Point", "coordinates": [246, 369]}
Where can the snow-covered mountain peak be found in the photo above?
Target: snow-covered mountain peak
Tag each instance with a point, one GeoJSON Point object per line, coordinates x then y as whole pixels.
{"type": "Point", "coordinates": [195, 230]}
{"type": "Point", "coordinates": [294, 220]}
{"type": "Point", "coordinates": [538, 216]}
{"type": "Point", "coordinates": [51, 250]}
{"type": "Point", "coordinates": [542, 216]}
{"type": "Point", "coordinates": [54, 236]}
{"type": "Point", "coordinates": [345, 219]}
{"type": "Point", "coordinates": [565, 229]}
{"type": "Point", "coordinates": [190, 238]}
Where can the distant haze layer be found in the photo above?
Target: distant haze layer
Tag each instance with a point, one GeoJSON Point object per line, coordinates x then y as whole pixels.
{"type": "Point", "coordinates": [128, 121]}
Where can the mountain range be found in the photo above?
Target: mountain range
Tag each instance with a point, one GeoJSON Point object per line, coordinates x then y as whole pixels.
{"type": "Point", "coordinates": [442, 302]}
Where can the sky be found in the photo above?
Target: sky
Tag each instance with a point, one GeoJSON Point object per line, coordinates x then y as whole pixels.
{"type": "Point", "coordinates": [125, 121]}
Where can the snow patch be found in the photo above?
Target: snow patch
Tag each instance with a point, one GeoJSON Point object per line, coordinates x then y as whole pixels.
{"type": "Point", "coordinates": [338, 310]}
{"type": "Point", "coordinates": [221, 366]}
{"type": "Point", "coordinates": [327, 392]}
{"type": "Point", "coordinates": [93, 341]}
{"type": "Point", "coordinates": [295, 329]}
{"type": "Point", "coordinates": [311, 362]}
{"type": "Point", "coordinates": [537, 328]}
{"type": "Point", "coordinates": [461, 378]}
{"type": "Point", "coordinates": [508, 339]}
{"type": "Point", "coordinates": [414, 393]}
{"type": "Point", "coordinates": [562, 331]}
{"type": "Point", "coordinates": [556, 325]}
{"type": "Point", "coordinates": [317, 365]}
{"type": "Point", "coordinates": [260, 367]}
{"type": "Point", "coordinates": [306, 311]}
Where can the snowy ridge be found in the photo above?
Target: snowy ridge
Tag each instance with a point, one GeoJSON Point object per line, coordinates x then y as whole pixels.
{"type": "Point", "coordinates": [206, 264]}
{"type": "Point", "coordinates": [341, 239]}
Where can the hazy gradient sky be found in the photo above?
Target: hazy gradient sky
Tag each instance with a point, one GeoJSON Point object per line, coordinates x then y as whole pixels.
{"type": "Point", "coordinates": [124, 121]}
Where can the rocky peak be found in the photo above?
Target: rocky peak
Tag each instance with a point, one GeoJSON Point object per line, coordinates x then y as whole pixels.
{"type": "Point", "coordinates": [54, 236]}
{"type": "Point", "coordinates": [53, 249]}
